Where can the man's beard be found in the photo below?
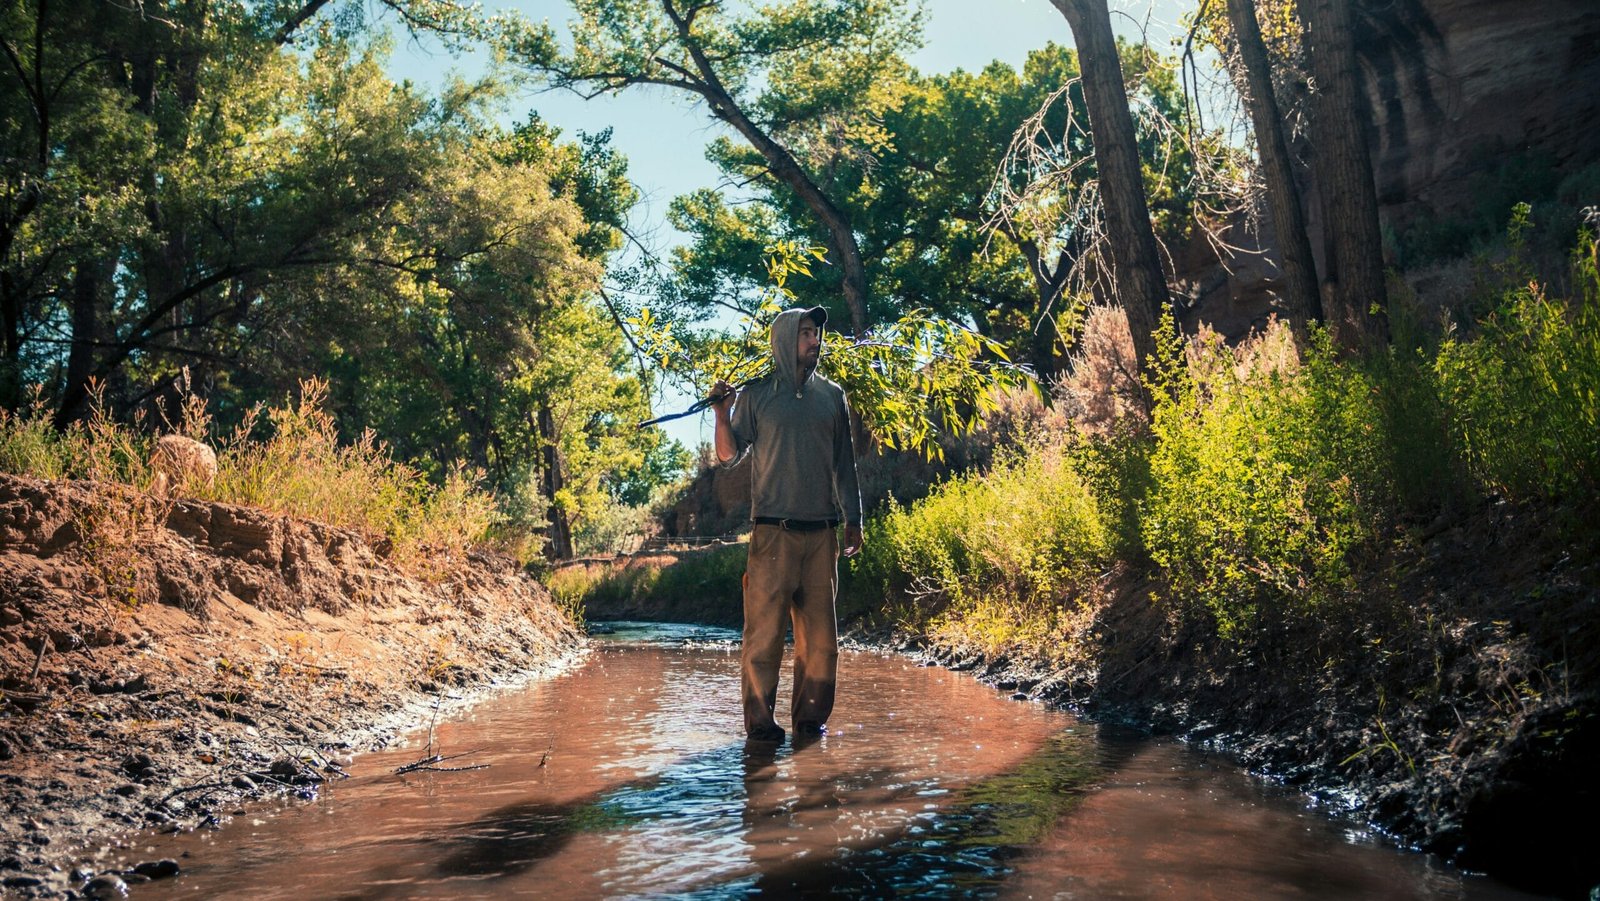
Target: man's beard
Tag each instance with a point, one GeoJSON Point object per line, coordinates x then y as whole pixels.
{"type": "Point", "coordinates": [808, 362]}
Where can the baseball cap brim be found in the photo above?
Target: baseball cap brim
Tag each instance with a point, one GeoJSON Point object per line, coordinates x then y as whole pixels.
{"type": "Point", "coordinates": [817, 315]}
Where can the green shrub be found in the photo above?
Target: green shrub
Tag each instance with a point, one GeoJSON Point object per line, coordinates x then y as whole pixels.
{"type": "Point", "coordinates": [713, 576]}
{"type": "Point", "coordinates": [1115, 465]}
{"type": "Point", "coordinates": [1266, 476]}
{"type": "Point", "coordinates": [1020, 538]}
{"type": "Point", "coordinates": [701, 585]}
{"type": "Point", "coordinates": [1524, 395]}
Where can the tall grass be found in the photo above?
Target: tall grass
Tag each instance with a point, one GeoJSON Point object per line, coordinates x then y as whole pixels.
{"type": "Point", "coordinates": [302, 469]}
{"type": "Point", "coordinates": [995, 560]}
{"type": "Point", "coordinates": [286, 459]}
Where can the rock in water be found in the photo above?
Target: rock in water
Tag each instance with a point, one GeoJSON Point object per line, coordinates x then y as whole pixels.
{"type": "Point", "coordinates": [164, 868]}
{"type": "Point", "coordinates": [106, 886]}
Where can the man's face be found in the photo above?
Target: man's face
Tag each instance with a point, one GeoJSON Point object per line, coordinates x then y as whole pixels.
{"type": "Point", "coordinates": [810, 345]}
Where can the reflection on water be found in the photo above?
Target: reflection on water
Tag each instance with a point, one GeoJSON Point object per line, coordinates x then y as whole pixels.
{"type": "Point", "coordinates": [628, 777]}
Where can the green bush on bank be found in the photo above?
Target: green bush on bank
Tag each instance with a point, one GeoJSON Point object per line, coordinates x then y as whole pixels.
{"type": "Point", "coordinates": [1524, 394]}
{"type": "Point", "coordinates": [700, 585]}
{"type": "Point", "coordinates": [991, 556]}
{"type": "Point", "coordinates": [1267, 474]}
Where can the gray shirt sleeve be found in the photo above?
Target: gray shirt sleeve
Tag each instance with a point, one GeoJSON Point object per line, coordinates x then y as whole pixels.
{"type": "Point", "coordinates": [844, 467]}
{"type": "Point", "coordinates": [743, 421]}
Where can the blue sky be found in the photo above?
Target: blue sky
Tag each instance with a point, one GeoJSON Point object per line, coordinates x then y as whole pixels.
{"type": "Point", "coordinates": [664, 136]}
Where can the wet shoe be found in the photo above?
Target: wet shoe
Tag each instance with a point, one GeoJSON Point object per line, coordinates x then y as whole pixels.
{"type": "Point", "coordinates": [809, 728]}
{"type": "Point", "coordinates": [773, 733]}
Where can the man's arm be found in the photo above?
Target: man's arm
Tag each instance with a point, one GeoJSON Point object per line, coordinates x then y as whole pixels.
{"type": "Point", "coordinates": [727, 448]}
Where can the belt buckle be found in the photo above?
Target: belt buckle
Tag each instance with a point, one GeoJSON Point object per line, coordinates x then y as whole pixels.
{"type": "Point", "coordinates": [784, 525]}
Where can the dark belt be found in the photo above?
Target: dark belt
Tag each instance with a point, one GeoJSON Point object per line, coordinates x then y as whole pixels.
{"type": "Point", "coordinates": [796, 525]}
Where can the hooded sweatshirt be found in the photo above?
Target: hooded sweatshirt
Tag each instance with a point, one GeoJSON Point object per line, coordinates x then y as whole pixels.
{"type": "Point", "coordinates": [795, 427]}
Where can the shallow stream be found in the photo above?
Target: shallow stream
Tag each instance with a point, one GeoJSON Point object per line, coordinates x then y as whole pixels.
{"type": "Point", "coordinates": [628, 777]}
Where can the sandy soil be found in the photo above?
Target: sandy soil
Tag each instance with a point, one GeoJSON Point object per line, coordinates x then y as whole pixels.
{"type": "Point", "coordinates": [154, 677]}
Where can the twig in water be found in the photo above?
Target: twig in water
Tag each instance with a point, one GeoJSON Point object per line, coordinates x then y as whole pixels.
{"type": "Point", "coordinates": [427, 764]}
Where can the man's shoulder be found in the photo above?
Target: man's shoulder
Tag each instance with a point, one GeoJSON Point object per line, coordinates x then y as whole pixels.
{"type": "Point", "coordinates": [829, 385]}
{"type": "Point", "coordinates": [756, 387]}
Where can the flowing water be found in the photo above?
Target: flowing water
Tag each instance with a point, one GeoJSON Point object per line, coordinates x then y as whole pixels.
{"type": "Point", "coordinates": [627, 777]}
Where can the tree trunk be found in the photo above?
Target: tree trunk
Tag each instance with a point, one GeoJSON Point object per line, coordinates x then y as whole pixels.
{"type": "Point", "coordinates": [11, 304]}
{"type": "Point", "coordinates": [1353, 281]}
{"type": "Point", "coordinates": [90, 291]}
{"type": "Point", "coordinates": [1283, 198]}
{"type": "Point", "coordinates": [559, 531]}
{"type": "Point", "coordinates": [1047, 285]}
{"type": "Point", "coordinates": [1141, 286]}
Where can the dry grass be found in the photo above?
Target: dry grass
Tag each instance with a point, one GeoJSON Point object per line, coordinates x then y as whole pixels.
{"type": "Point", "coordinates": [299, 469]}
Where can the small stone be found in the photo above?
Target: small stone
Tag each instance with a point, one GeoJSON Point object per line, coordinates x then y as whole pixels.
{"type": "Point", "coordinates": [133, 763]}
{"type": "Point", "coordinates": [39, 838]}
{"type": "Point", "coordinates": [22, 881]}
{"type": "Point", "coordinates": [80, 874]}
{"type": "Point", "coordinates": [135, 878]}
{"type": "Point", "coordinates": [148, 774]}
{"type": "Point", "coordinates": [127, 790]}
{"type": "Point", "coordinates": [244, 783]}
{"type": "Point", "coordinates": [65, 640]}
{"type": "Point", "coordinates": [106, 886]}
{"type": "Point", "coordinates": [10, 617]}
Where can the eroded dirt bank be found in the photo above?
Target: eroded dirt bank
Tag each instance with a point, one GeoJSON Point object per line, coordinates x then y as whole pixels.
{"type": "Point", "coordinates": [153, 679]}
{"type": "Point", "coordinates": [1453, 698]}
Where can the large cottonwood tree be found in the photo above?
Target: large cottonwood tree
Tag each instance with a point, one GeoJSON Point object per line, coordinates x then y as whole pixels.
{"type": "Point", "coordinates": [925, 195]}
{"type": "Point", "coordinates": [1140, 281]}
{"type": "Point", "coordinates": [1353, 276]}
{"type": "Point", "coordinates": [760, 70]}
{"type": "Point", "coordinates": [1300, 293]}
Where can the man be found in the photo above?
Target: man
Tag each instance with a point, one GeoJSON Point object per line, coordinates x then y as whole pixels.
{"type": "Point", "coordinates": [795, 426]}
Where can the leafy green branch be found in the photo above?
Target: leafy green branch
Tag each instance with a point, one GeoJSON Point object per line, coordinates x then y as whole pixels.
{"type": "Point", "coordinates": [910, 380]}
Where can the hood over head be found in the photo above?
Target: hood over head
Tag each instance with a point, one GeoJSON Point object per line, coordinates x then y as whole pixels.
{"type": "Point", "coordinates": [785, 334]}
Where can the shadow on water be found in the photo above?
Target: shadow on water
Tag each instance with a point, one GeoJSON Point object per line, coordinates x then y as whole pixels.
{"type": "Point", "coordinates": [961, 846]}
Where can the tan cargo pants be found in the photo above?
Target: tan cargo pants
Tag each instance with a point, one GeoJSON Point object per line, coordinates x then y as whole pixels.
{"type": "Point", "coordinates": [790, 577]}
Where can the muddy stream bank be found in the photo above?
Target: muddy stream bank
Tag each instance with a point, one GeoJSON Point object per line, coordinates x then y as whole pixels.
{"type": "Point", "coordinates": [625, 776]}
